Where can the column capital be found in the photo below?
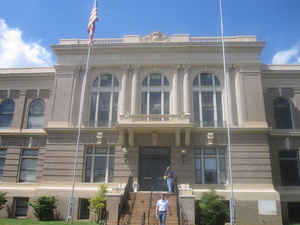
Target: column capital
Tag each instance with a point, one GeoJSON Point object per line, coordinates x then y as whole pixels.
{"type": "Point", "coordinates": [125, 68]}
{"type": "Point", "coordinates": [135, 67]}
{"type": "Point", "coordinates": [176, 67]}
{"type": "Point", "coordinates": [186, 68]}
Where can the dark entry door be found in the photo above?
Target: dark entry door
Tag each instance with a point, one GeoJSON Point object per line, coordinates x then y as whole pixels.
{"type": "Point", "coordinates": [152, 164]}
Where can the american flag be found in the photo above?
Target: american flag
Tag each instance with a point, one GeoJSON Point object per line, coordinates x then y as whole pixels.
{"type": "Point", "coordinates": [92, 21]}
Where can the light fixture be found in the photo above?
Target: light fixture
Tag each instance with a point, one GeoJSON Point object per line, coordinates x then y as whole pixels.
{"type": "Point", "coordinates": [183, 153]}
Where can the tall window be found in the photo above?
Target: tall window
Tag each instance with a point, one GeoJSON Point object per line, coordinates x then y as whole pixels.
{"type": "Point", "coordinates": [104, 102]}
{"type": "Point", "coordinates": [2, 162]}
{"type": "Point", "coordinates": [282, 113]}
{"type": "Point", "coordinates": [28, 165]}
{"type": "Point", "coordinates": [207, 100]}
{"type": "Point", "coordinates": [36, 114]}
{"type": "Point", "coordinates": [155, 95]}
{"type": "Point", "coordinates": [210, 165]}
{"type": "Point", "coordinates": [7, 108]}
{"type": "Point", "coordinates": [289, 168]}
{"type": "Point", "coordinates": [99, 164]}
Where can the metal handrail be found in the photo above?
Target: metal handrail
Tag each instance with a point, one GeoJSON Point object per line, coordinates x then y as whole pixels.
{"type": "Point", "coordinates": [150, 204]}
{"type": "Point", "coordinates": [143, 218]}
{"type": "Point", "coordinates": [176, 190]}
{"type": "Point", "coordinates": [125, 197]}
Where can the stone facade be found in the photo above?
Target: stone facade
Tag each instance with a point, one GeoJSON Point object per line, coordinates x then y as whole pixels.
{"type": "Point", "coordinates": [176, 61]}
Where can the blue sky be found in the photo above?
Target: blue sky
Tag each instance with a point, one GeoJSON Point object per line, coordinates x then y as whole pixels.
{"type": "Point", "coordinates": [28, 28]}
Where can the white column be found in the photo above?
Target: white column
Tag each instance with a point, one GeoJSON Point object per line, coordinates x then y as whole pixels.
{"type": "Point", "coordinates": [134, 91]}
{"type": "Point", "coordinates": [122, 95]}
{"type": "Point", "coordinates": [186, 91]}
{"type": "Point", "coordinates": [175, 90]}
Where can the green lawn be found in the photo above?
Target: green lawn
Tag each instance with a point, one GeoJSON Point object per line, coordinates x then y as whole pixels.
{"type": "Point", "coordinates": [34, 222]}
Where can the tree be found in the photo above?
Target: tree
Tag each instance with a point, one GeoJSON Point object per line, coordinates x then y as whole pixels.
{"type": "Point", "coordinates": [44, 207]}
{"type": "Point", "coordinates": [2, 199]}
{"type": "Point", "coordinates": [213, 209]}
{"type": "Point", "coordinates": [98, 203]}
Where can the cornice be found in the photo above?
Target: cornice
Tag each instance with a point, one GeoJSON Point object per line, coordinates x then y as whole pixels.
{"type": "Point", "coordinates": [269, 69]}
{"type": "Point", "coordinates": [45, 72]}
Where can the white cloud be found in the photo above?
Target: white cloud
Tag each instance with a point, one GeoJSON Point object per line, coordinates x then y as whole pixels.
{"type": "Point", "coordinates": [14, 52]}
{"type": "Point", "coordinates": [290, 56]}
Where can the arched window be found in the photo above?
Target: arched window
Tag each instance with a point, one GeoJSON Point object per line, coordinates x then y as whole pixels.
{"type": "Point", "coordinates": [155, 95]}
{"type": "Point", "coordinates": [36, 114]}
{"type": "Point", "coordinates": [282, 113]}
{"type": "Point", "coordinates": [104, 102]}
{"type": "Point", "coordinates": [7, 108]}
{"type": "Point", "coordinates": [207, 100]}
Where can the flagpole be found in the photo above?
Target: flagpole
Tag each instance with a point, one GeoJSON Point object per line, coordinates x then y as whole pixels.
{"type": "Point", "coordinates": [71, 199]}
{"type": "Point", "coordinates": [228, 118]}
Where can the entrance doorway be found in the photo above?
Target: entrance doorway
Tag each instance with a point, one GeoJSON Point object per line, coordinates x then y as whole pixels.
{"type": "Point", "coordinates": [152, 165]}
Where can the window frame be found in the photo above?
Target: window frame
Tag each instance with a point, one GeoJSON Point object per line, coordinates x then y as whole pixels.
{"type": "Point", "coordinates": [218, 156]}
{"type": "Point", "coordinates": [108, 156]}
{"type": "Point", "coordinates": [42, 114]}
{"type": "Point", "coordinates": [296, 158]}
{"type": "Point", "coordinates": [10, 101]}
{"type": "Point", "coordinates": [22, 157]}
{"type": "Point", "coordinates": [113, 90]}
{"type": "Point", "coordinates": [80, 205]}
{"type": "Point", "coordinates": [2, 157]}
{"type": "Point", "coordinates": [26, 200]}
{"type": "Point", "coordinates": [291, 112]}
{"type": "Point", "coordinates": [163, 89]}
{"type": "Point", "coordinates": [215, 89]}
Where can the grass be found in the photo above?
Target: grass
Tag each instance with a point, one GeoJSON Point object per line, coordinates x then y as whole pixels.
{"type": "Point", "coordinates": [35, 222]}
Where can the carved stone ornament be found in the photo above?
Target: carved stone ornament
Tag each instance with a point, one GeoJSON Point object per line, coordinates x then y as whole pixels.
{"type": "Point", "coordinates": [156, 36]}
{"type": "Point", "coordinates": [210, 138]}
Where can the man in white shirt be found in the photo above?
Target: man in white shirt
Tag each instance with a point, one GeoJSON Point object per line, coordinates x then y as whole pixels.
{"type": "Point", "coordinates": [162, 207]}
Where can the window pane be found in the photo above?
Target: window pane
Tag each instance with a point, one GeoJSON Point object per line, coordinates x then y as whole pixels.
{"type": "Point", "coordinates": [155, 80]}
{"type": "Point", "coordinates": [99, 169]}
{"type": "Point", "coordinates": [144, 102]}
{"type": "Point", "coordinates": [99, 150]}
{"type": "Point", "coordinates": [21, 206]}
{"type": "Point", "coordinates": [93, 108]}
{"type": "Point", "coordinates": [217, 82]}
{"type": "Point", "coordinates": [210, 167]}
{"type": "Point", "coordinates": [96, 82]}
{"type": "Point", "coordinates": [282, 114]}
{"type": "Point", "coordinates": [207, 109]}
{"type": "Point", "coordinates": [196, 81]}
{"type": "Point", "coordinates": [2, 153]}
{"type": "Point", "coordinates": [210, 152]}
{"type": "Point", "coordinates": [196, 106]}
{"type": "Point", "coordinates": [289, 172]}
{"type": "Point", "coordinates": [115, 108]}
{"type": "Point", "coordinates": [30, 152]}
{"type": "Point", "coordinates": [166, 82]}
{"type": "Point", "coordinates": [116, 82]}
{"type": "Point", "coordinates": [222, 164]}
{"type": "Point", "coordinates": [28, 170]}
{"type": "Point", "coordinates": [84, 212]}
{"type": "Point", "coordinates": [106, 80]}
{"type": "Point", "coordinates": [166, 103]}
{"type": "Point", "coordinates": [206, 79]}
{"type": "Point", "coordinates": [2, 162]}
{"type": "Point", "coordinates": [88, 167]}
{"type": "Point", "coordinates": [7, 108]}
{"type": "Point", "coordinates": [155, 103]}
{"type": "Point", "coordinates": [104, 102]}
{"type": "Point", "coordinates": [219, 109]}
{"type": "Point", "coordinates": [111, 169]}
{"type": "Point", "coordinates": [145, 82]}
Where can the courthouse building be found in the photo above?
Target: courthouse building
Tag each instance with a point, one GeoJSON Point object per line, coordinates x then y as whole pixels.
{"type": "Point", "coordinates": [151, 102]}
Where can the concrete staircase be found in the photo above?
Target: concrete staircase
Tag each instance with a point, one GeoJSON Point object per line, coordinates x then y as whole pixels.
{"type": "Point", "coordinates": [139, 204]}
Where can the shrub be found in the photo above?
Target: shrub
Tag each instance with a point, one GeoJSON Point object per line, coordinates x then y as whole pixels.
{"type": "Point", "coordinates": [213, 209]}
{"type": "Point", "coordinates": [98, 203]}
{"type": "Point", "coordinates": [44, 207]}
{"type": "Point", "coordinates": [2, 199]}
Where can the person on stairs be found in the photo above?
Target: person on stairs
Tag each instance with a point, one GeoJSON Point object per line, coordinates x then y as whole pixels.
{"type": "Point", "coordinates": [169, 176]}
{"type": "Point", "coordinates": [162, 207]}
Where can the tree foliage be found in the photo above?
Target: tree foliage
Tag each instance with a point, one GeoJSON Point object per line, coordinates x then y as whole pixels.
{"type": "Point", "coordinates": [98, 203]}
{"type": "Point", "coordinates": [2, 199]}
{"type": "Point", "coordinates": [213, 209]}
{"type": "Point", "coordinates": [44, 207]}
